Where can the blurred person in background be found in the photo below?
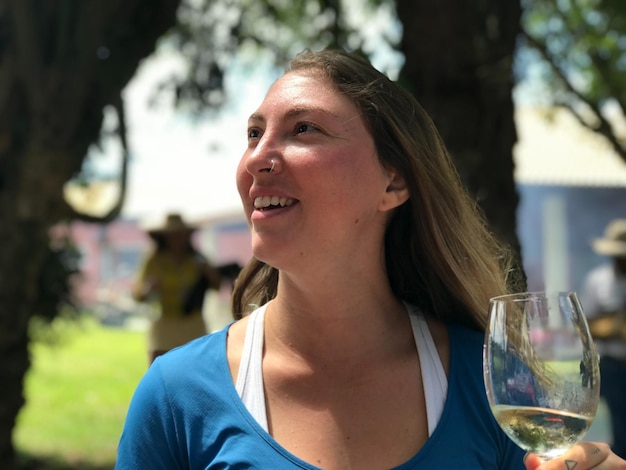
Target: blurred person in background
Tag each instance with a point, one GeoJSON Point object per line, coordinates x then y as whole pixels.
{"type": "Point", "coordinates": [175, 277]}
{"type": "Point", "coordinates": [604, 300]}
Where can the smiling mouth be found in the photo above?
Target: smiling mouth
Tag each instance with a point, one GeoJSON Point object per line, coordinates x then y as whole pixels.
{"type": "Point", "coordinates": [272, 202]}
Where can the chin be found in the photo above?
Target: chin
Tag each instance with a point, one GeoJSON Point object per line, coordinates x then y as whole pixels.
{"type": "Point", "coordinates": [263, 252]}
{"type": "Point", "coordinates": [274, 257]}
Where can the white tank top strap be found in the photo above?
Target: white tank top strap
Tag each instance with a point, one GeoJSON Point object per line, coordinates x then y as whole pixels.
{"type": "Point", "coordinates": [249, 383]}
{"type": "Point", "coordinates": [250, 375]}
{"type": "Point", "coordinates": [434, 377]}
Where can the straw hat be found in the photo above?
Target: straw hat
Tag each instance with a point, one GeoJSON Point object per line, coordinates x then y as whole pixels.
{"type": "Point", "coordinates": [614, 241]}
{"type": "Point", "coordinates": [173, 223]}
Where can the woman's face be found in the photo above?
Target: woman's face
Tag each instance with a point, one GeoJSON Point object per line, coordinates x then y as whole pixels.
{"type": "Point", "coordinates": [177, 242]}
{"type": "Point", "coordinates": [327, 195]}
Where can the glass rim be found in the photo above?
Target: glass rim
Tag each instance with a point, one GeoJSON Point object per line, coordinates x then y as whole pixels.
{"type": "Point", "coordinates": [530, 295]}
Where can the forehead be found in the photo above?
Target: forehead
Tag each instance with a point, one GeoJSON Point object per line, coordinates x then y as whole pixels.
{"type": "Point", "coordinates": [307, 90]}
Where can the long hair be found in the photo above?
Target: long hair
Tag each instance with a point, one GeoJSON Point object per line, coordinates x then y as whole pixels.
{"type": "Point", "coordinates": [439, 254]}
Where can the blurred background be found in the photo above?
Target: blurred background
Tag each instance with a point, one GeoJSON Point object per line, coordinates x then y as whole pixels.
{"type": "Point", "coordinates": [115, 113]}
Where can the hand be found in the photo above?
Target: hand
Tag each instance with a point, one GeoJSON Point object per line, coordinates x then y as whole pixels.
{"type": "Point", "coordinates": [149, 287]}
{"type": "Point", "coordinates": [211, 275]}
{"type": "Point", "coordinates": [582, 456]}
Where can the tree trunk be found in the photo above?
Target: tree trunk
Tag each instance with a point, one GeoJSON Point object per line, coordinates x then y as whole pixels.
{"type": "Point", "coordinates": [459, 58]}
{"type": "Point", "coordinates": [61, 63]}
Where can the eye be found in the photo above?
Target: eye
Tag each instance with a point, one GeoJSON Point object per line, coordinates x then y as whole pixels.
{"type": "Point", "coordinates": [303, 128]}
{"type": "Point", "coordinates": [254, 133]}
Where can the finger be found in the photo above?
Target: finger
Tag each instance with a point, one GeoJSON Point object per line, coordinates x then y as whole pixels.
{"type": "Point", "coordinates": [532, 461]}
{"type": "Point", "coordinates": [582, 456]}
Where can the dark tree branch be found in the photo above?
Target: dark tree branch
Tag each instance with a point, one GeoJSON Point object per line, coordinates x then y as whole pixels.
{"type": "Point", "coordinates": [116, 209]}
{"type": "Point", "coordinates": [612, 88]}
{"type": "Point", "coordinates": [603, 127]}
{"type": "Point", "coordinates": [601, 65]}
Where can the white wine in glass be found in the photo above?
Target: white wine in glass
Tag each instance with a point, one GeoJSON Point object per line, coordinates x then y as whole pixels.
{"type": "Point", "coordinates": [541, 370]}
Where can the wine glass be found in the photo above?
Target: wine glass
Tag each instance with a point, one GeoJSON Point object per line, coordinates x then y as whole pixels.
{"type": "Point", "coordinates": [541, 370]}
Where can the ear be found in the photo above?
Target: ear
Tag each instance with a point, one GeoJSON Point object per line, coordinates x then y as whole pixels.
{"type": "Point", "coordinates": [396, 192]}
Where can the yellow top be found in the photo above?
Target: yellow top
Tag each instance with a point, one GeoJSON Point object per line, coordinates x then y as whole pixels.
{"type": "Point", "coordinates": [173, 279]}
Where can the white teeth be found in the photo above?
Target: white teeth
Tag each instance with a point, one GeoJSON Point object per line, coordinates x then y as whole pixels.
{"type": "Point", "coordinates": [262, 202]}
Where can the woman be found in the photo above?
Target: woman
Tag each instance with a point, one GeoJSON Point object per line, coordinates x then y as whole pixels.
{"type": "Point", "coordinates": [175, 276]}
{"type": "Point", "coordinates": [369, 287]}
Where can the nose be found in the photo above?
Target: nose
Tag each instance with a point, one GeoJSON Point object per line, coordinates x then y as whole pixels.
{"type": "Point", "coordinates": [263, 157]}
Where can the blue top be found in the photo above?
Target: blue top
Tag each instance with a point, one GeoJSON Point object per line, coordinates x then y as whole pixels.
{"type": "Point", "coordinates": [186, 414]}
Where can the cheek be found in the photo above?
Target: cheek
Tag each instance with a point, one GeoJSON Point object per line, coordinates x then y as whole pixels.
{"type": "Point", "coordinates": [362, 174]}
{"type": "Point", "coordinates": [244, 179]}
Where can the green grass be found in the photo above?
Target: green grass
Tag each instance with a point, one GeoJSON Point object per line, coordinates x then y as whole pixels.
{"type": "Point", "coordinates": [77, 393]}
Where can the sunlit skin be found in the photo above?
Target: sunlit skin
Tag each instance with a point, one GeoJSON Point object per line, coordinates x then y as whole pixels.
{"type": "Point", "coordinates": [328, 244]}
{"type": "Point", "coordinates": [584, 455]}
{"type": "Point", "coordinates": [338, 342]}
{"type": "Point", "coordinates": [326, 162]}
{"type": "Point", "coordinates": [340, 367]}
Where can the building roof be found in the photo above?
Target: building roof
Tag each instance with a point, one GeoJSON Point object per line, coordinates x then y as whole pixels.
{"type": "Point", "coordinates": [555, 149]}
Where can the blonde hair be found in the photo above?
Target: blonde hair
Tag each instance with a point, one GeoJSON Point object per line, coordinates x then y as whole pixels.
{"type": "Point", "coordinates": [439, 253]}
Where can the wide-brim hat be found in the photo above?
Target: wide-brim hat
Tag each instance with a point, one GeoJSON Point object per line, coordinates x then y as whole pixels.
{"type": "Point", "coordinates": [174, 223]}
{"type": "Point", "coordinates": [614, 241]}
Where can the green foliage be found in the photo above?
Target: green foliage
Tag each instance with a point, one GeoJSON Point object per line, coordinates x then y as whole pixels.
{"type": "Point", "coordinates": [585, 40]}
{"type": "Point", "coordinates": [54, 285]}
{"type": "Point", "coordinates": [582, 43]}
{"type": "Point", "coordinates": [211, 34]}
{"type": "Point", "coordinates": [78, 391]}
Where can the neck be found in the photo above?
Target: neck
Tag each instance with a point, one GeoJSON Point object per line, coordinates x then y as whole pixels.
{"type": "Point", "coordinates": [327, 320]}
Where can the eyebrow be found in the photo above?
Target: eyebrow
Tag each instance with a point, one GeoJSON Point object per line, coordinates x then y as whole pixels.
{"type": "Point", "coordinates": [295, 112]}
